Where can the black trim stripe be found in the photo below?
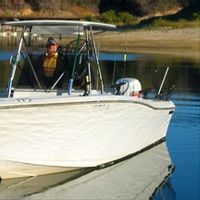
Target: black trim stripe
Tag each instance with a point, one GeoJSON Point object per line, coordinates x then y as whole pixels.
{"type": "Point", "coordinates": [104, 165]}
{"type": "Point", "coordinates": [35, 104]}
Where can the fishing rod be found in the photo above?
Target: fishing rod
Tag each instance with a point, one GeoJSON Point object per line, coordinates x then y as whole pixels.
{"type": "Point", "coordinates": [162, 83]}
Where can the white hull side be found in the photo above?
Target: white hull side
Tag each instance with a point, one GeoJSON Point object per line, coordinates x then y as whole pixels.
{"type": "Point", "coordinates": [79, 135]}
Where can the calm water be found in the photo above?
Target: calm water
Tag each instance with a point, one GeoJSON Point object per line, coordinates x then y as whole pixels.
{"type": "Point", "coordinates": [125, 180]}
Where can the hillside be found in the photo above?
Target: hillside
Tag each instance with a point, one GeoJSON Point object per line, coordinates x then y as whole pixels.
{"type": "Point", "coordinates": [82, 8]}
{"type": "Point", "coordinates": [72, 12]}
{"type": "Point", "coordinates": [172, 30]}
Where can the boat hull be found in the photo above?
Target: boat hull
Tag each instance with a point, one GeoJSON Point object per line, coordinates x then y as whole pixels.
{"type": "Point", "coordinates": [80, 131]}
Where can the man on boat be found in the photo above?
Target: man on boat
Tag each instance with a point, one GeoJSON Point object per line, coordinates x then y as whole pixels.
{"type": "Point", "coordinates": [55, 67]}
{"type": "Point", "coordinates": [51, 66]}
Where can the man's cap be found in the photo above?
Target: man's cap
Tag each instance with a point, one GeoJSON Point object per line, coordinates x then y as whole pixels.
{"type": "Point", "coordinates": [51, 41]}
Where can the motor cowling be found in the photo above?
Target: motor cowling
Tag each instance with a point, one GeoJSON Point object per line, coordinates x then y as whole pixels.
{"type": "Point", "coordinates": [128, 87]}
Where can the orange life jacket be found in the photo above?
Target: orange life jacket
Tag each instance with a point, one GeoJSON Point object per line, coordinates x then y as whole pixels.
{"type": "Point", "coordinates": [49, 64]}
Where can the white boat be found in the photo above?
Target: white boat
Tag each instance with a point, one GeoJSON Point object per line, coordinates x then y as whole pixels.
{"type": "Point", "coordinates": [69, 128]}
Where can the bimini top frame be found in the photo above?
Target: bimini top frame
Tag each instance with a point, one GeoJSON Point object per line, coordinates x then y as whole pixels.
{"type": "Point", "coordinates": [59, 23]}
{"type": "Point", "coordinates": [61, 27]}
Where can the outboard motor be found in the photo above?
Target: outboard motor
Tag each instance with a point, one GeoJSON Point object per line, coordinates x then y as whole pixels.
{"type": "Point", "coordinates": [128, 87]}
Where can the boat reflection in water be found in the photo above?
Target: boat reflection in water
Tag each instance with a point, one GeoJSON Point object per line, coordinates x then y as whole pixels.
{"type": "Point", "coordinates": [141, 177]}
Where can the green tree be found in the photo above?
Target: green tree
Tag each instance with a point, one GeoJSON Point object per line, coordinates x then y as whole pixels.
{"type": "Point", "coordinates": [109, 17]}
{"type": "Point", "coordinates": [131, 6]}
{"type": "Point", "coordinates": [106, 5]}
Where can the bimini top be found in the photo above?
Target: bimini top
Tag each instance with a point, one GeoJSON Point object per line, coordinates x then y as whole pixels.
{"type": "Point", "coordinates": [59, 26]}
{"type": "Point", "coordinates": [30, 23]}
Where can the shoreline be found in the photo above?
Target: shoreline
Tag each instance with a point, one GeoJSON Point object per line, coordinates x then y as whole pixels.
{"type": "Point", "coordinates": [177, 42]}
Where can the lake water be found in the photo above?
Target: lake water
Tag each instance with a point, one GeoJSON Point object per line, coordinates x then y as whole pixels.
{"type": "Point", "coordinates": [139, 177]}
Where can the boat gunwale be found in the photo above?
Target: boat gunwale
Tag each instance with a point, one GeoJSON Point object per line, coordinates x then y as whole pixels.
{"type": "Point", "coordinates": [28, 103]}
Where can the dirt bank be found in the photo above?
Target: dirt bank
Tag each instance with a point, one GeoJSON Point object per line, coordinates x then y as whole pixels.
{"type": "Point", "coordinates": [183, 42]}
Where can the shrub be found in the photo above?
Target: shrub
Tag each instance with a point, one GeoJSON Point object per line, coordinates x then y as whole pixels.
{"type": "Point", "coordinates": [181, 23]}
{"type": "Point", "coordinates": [160, 23]}
{"type": "Point", "coordinates": [196, 16]}
{"type": "Point", "coordinates": [7, 13]}
{"type": "Point", "coordinates": [92, 18]}
{"type": "Point", "coordinates": [109, 17]}
{"type": "Point", "coordinates": [121, 18]}
{"type": "Point", "coordinates": [126, 18]}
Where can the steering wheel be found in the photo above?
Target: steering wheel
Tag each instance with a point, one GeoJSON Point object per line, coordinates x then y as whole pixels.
{"type": "Point", "coordinates": [85, 47]}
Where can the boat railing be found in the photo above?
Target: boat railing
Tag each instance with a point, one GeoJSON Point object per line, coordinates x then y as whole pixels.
{"type": "Point", "coordinates": [85, 46]}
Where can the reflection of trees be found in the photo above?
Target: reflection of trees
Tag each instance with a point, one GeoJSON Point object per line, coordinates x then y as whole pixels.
{"type": "Point", "coordinates": [8, 42]}
{"type": "Point", "coordinates": [4, 73]}
{"type": "Point", "coordinates": [188, 71]}
{"type": "Point", "coordinates": [189, 76]}
{"type": "Point", "coordinates": [165, 191]}
{"type": "Point", "coordinates": [185, 75]}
